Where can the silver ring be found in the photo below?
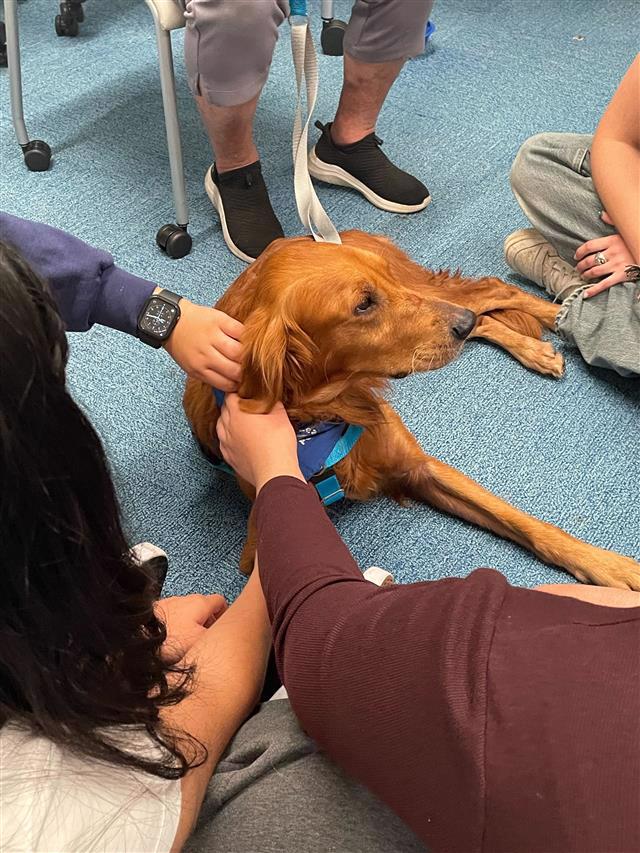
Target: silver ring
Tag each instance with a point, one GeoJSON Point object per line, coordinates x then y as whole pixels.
{"type": "Point", "coordinates": [600, 258]}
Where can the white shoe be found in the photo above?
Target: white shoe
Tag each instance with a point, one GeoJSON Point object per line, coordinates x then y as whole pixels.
{"type": "Point", "coordinates": [529, 254]}
{"type": "Point", "coordinates": [378, 576]}
{"type": "Point", "coordinates": [153, 559]}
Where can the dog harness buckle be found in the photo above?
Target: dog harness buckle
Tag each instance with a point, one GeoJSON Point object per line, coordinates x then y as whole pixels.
{"type": "Point", "coordinates": [327, 486]}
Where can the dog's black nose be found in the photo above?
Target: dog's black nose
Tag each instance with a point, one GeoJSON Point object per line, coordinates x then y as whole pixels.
{"type": "Point", "coordinates": [463, 324]}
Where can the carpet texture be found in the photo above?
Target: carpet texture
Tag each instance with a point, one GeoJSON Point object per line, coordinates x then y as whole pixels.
{"type": "Point", "coordinates": [495, 73]}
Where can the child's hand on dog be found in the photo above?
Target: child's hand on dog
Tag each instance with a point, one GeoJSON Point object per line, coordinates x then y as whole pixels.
{"type": "Point", "coordinates": [206, 345]}
{"type": "Point", "coordinates": [258, 447]}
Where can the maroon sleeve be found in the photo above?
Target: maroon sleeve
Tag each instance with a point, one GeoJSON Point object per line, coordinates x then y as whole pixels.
{"type": "Point", "coordinates": [390, 682]}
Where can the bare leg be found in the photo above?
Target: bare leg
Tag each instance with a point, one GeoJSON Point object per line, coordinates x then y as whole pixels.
{"type": "Point", "coordinates": [365, 87]}
{"type": "Point", "coordinates": [230, 131]}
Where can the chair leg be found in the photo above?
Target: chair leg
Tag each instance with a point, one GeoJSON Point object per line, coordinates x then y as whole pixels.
{"type": "Point", "coordinates": [37, 154]}
{"type": "Point", "coordinates": [173, 239]}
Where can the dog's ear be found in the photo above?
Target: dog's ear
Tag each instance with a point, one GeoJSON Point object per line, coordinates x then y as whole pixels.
{"type": "Point", "coordinates": [278, 355]}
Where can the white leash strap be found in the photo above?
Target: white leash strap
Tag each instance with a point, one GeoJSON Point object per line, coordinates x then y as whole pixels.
{"type": "Point", "coordinates": [312, 214]}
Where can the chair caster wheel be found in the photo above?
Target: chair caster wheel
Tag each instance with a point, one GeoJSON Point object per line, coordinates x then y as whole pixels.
{"type": "Point", "coordinates": [332, 37]}
{"type": "Point", "coordinates": [175, 240]}
{"type": "Point", "coordinates": [67, 26]}
{"type": "Point", "coordinates": [3, 46]}
{"type": "Point", "coordinates": [37, 155]}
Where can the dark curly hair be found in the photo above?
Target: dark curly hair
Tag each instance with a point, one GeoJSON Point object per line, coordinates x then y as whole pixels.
{"type": "Point", "coordinates": [79, 640]}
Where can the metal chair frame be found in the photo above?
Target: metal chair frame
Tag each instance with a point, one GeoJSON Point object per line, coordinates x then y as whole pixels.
{"type": "Point", "coordinates": [173, 238]}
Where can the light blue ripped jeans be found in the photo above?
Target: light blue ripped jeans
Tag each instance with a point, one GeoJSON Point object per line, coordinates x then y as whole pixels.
{"type": "Point", "coordinates": [551, 180]}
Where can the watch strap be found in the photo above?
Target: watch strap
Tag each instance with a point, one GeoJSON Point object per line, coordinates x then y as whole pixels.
{"type": "Point", "coordinates": [168, 296]}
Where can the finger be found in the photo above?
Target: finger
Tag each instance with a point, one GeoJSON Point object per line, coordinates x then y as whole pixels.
{"type": "Point", "coordinates": [221, 363]}
{"type": "Point", "coordinates": [204, 608]}
{"type": "Point", "coordinates": [591, 247]}
{"type": "Point", "coordinates": [222, 443]}
{"type": "Point", "coordinates": [217, 363]}
{"type": "Point", "coordinates": [217, 380]}
{"type": "Point", "coordinates": [229, 347]}
{"type": "Point", "coordinates": [232, 403]}
{"type": "Point", "coordinates": [230, 326]}
{"type": "Point", "coordinates": [589, 263]}
{"type": "Point", "coordinates": [606, 218]}
{"type": "Point", "coordinates": [599, 271]}
{"type": "Point", "coordinates": [605, 284]}
{"type": "Point", "coordinates": [216, 612]}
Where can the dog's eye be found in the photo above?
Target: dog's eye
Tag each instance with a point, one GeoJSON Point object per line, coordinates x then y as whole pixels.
{"type": "Point", "coordinates": [365, 305]}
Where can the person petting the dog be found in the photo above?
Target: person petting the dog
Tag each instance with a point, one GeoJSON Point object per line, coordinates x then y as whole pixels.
{"type": "Point", "coordinates": [90, 288]}
{"type": "Point", "coordinates": [488, 717]}
{"type": "Point", "coordinates": [228, 51]}
{"type": "Point", "coordinates": [581, 194]}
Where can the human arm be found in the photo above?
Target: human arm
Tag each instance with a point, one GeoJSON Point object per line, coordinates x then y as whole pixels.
{"type": "Point", "coordinates": [89, 288]}
{"type": "Point", "coordinates": [615, 165]}
{"type": "Point", "coordinates": [615, 159]}
{"type": "Point", "coordinates": [388, 681]}
{"type": "Point", "coordinates": [230, 660]}
{"type": "Point", "coordinates": [391, 683]}
{"type": "Point", "coordinates": [348, 652]}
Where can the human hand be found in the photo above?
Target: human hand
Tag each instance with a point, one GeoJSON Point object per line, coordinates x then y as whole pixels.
{"type": "Point", "coordinates": [617, 260]}
{"type": "Point", "coordinates": [258, 447]}
{"type": "Point", "coordinates": [187, 617]}
{"type": "Point", "coordinates": [206, 345]}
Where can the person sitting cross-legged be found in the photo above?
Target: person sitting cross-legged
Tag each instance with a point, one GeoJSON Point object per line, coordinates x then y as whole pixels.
{"type": "Point", "coordinates": [581, 194]}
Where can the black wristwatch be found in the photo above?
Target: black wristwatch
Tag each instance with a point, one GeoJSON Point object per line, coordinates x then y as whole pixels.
{"type": "Point", "coordinates": [158, 318]}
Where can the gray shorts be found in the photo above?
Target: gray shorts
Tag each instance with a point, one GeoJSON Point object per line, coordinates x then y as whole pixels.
{"type": "Point", "coordinates": [229, 43]}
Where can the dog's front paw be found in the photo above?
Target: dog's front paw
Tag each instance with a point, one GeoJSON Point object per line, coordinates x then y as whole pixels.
{"type": "Point", "coordinates": [547, 361]}
{"type": "Point", "coordinates": [611, 569]}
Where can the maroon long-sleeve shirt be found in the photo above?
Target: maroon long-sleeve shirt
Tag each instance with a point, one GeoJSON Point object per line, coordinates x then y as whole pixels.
{"type": "Point", "coordinates": [489, 717]}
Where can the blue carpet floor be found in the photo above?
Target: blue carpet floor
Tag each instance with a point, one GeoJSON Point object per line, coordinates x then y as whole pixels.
{"type": "Point", "coordinates": [567, 451]}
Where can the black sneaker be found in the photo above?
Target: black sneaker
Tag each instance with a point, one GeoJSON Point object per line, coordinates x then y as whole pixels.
{"type": "Point", "coordinates": [365, 168]}
{"type": "Point", "coordinates": [242, 201]}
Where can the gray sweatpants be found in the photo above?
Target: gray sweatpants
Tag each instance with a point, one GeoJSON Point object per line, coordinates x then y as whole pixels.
{"type": "Point", "coordinates": [272, 792]}
{"type": "Point", "coordinates": [229, 43]}
{"type": "Point", "coordinates": [551, 180]}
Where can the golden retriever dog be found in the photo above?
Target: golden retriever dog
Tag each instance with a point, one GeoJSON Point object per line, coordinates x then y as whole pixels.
{"type": "Point", "coordinates": [327, 326]}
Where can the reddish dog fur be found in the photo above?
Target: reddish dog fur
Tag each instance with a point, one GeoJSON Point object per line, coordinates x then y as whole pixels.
{"type": "Point", "coordinates": [327, 326]}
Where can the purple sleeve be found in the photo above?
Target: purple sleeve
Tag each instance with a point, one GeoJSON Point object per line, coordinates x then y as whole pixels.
{"type": "Point", "coordinates": [86, 284]}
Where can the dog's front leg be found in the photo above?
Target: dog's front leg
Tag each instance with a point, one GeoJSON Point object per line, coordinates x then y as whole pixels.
{"type": "Point", "coordinates": [533, 353]}
{"type": "Point", "coordinates": [484, 295]}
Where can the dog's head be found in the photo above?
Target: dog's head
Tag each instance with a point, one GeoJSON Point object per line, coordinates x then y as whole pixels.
{"type": "Point", "coordinates": [320, 318]}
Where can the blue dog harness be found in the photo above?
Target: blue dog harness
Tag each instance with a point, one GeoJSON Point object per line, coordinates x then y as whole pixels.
{"type": "Point", "coordinates": [321, 445]}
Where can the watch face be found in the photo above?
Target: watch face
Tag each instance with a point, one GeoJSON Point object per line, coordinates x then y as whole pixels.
{"type": "Point", "coordinates": [158, 319]}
